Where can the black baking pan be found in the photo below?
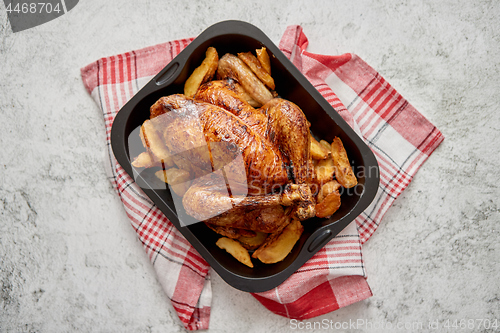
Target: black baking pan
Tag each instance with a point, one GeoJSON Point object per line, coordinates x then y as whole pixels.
{"type": "Point", "coordinates": [234, 37]}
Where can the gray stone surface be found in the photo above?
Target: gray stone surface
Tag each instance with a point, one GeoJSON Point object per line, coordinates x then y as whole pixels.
{"type": "Point", "coordinates": [69, 260]}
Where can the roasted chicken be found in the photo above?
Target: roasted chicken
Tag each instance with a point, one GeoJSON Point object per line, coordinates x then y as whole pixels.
{"type": "Point", "coordinates": [246, 163]}
{"type": "Point", "coordinates": [189, 124]}
{"type": "Point", "coordinates": [242, 159]}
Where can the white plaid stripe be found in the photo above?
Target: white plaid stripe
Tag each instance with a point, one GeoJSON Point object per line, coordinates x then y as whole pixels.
{"type": "Point", "coordinates": [164, 245]}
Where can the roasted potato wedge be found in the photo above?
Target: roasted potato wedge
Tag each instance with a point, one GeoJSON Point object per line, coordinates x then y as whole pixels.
{"type": "Point", "coordinates": [145, 160]}
{"type": "Point", "coordinates": [251, 61]}
{"type": "Point", "coordinates": [325, 144]}
{"type": "Point", "coordinates": [329, 205]}
{"type": "Point", "coordinates": [325, 171]}
{"type": "Point", "coordinates": [152, 140]}
{"type": "Point", "coordinates": [161, 175]}
{"type": "Point", "coordinates": [205, 72]}
{"type": "Point", "coordinates": [317, 150]}
{"type": "Point", "coordinates": [230, 66]}
{"type": "Point", "coordinates": [251, 243]}
{"type": "Point", "coordinates": [328, 188]}
{"type": "Point", "coordinates": [277, 250]}
{"type": "Point", "coordinates": [235, 249]}
{"type": "Point", "coordinates": [264, 60]}
{"type": "Point", "coordinates": [343, 170]}
{"type": "Point", "coordinates": [178, 179]}
{"type": "Point", "coordinates": [244, 95]}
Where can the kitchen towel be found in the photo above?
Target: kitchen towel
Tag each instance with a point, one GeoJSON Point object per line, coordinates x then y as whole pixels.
{"type": "Point", "coordinates": [401, 138]}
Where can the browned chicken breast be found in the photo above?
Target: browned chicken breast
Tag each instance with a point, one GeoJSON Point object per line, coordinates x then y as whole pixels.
{"type": "Point", "coordinates": [228, 95]}
{"type": "Point", "coordinates": [279, 121]}
{"type": "Point", "coordinates": [191, 124]}
{"type": "Point", "coordinates": [239, 155]}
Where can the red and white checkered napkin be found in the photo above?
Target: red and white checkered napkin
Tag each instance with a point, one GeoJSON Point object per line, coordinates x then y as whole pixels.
{"type": "Point", "coordinates": [401, 138]}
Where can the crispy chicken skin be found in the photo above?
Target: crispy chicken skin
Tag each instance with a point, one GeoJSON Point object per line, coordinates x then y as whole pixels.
{"type": "Point", "coordinates": [271, 141]}
{"type": "Point", "coordinates": [265, 220]}
{"type": "Point", "coordinates": [288, 127]}
{"type": "Point", "coordinates": [264, 166]}
{"type": "Point", "coordinates": [279, 121]}
{"type": "Point", "coordinates": [227, 94]}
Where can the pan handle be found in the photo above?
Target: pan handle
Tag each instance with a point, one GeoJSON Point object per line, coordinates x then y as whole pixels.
{"type": "Point", "coordinates": [323, 236]}
{"type": "Point", "coordinates": [166, 75]}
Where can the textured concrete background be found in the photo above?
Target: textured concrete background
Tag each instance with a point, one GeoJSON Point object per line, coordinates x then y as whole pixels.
{"type": "Point", "coordinates": [69, 260]}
